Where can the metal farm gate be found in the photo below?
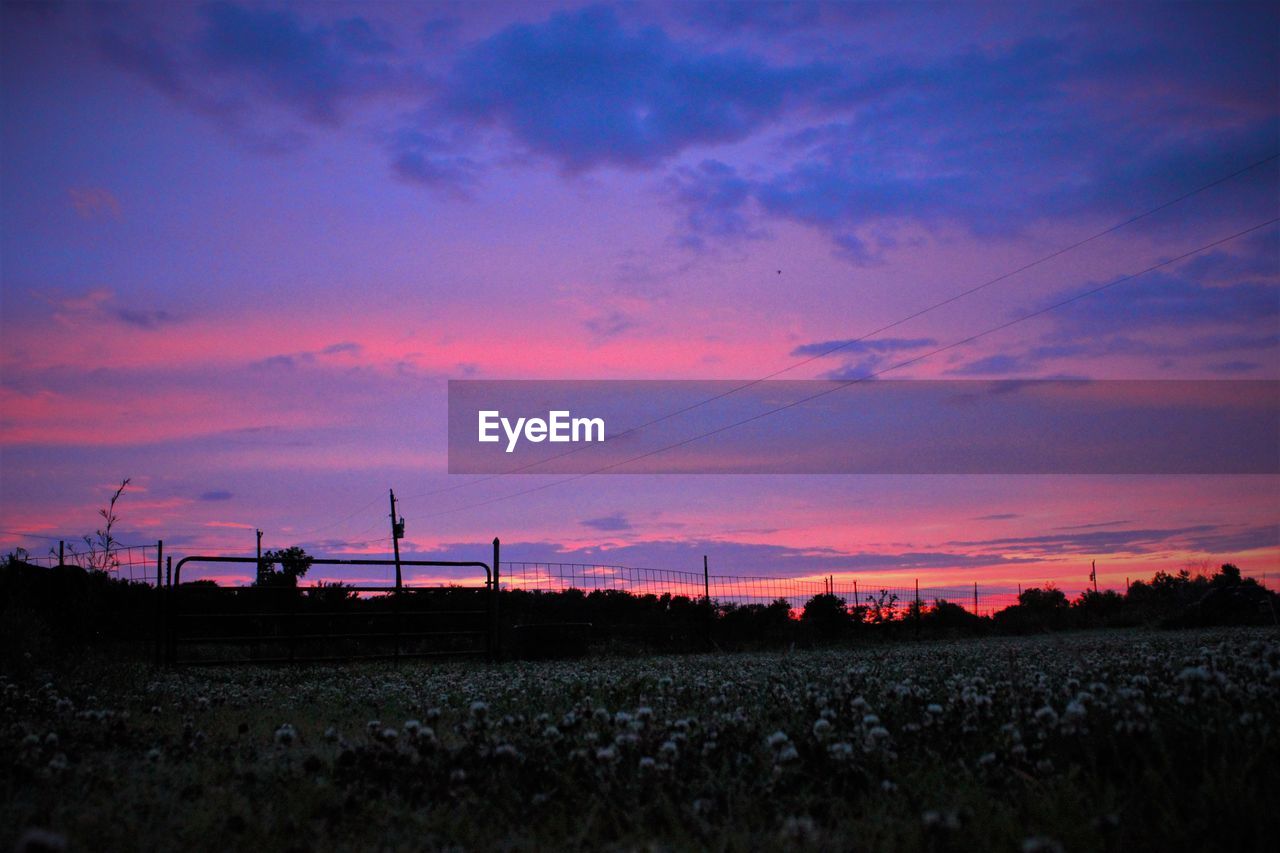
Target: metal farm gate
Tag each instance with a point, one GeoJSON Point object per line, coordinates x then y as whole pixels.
{"type": "Point", "coordinates": [210, 624]}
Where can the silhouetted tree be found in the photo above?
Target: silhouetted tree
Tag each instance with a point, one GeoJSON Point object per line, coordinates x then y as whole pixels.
{"type": "Point", "coordinates": [294, 563]}
{"type": "Point", "coordinates": [826, 615]}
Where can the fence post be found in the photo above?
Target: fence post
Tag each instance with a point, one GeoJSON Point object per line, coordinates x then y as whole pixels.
{"type": "Point", "coordinates": [493, 627]}
{"type": "Point", "coordinates": [706, 596]}
{"type": "Point", "coordinates": [917, 607]}
{"type": "Point", "coordinates": [159, 592]}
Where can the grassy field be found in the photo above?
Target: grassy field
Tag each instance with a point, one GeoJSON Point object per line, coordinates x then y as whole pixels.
{"type": "Point", "coordinates": [1103, 741]}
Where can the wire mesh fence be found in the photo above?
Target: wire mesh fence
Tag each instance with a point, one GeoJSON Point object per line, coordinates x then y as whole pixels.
{"type": "Point", "coordinates": [887, 598]}
{"type": "Point", "coordinates": [136, 563]}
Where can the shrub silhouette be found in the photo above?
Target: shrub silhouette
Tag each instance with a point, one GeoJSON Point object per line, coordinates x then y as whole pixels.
{"type": "Point", "coordinates": [826, 616]}
{"type": "Point", "coordinates": [294, 563]}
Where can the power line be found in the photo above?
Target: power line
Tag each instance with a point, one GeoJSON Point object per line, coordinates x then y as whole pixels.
{"type": "Point", "coordinates": [846, 383]}
{"type": "Point", "coordinates": [332, 524]}
{"type": "Point", "coordinates": [844, 344]}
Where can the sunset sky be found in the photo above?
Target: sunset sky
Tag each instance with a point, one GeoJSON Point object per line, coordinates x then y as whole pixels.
{"type": "Point", "coordinates": [245, 246]}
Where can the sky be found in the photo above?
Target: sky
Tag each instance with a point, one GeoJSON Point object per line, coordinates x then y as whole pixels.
{"type": "Point", "coordinates": [244, 247]}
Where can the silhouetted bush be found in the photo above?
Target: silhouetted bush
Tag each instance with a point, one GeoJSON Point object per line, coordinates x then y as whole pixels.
{"type": "Point", "coordinates": [1037, 610]}
{"type": "Point", "coordinates": [827, 617]}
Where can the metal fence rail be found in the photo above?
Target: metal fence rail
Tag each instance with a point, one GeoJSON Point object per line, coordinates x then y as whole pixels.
{"type": "Point", "coordinates": [207, 624]}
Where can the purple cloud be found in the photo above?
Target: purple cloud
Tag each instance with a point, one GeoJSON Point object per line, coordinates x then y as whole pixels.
{"type": "Point", "coordinates": [585, 91]}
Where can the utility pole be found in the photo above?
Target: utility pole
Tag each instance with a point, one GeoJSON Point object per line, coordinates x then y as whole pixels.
{"type": "Point", "coordinates": [260, 572]}
{"type": "Point", "coordinates": [62, 560]}
{"type": "Point", "coordinates": [397, 533]}
{"type": "Point", "coordinates": [975, 598]}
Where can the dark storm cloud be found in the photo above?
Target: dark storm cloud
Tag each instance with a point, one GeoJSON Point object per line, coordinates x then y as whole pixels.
{"type": "Point", "coordinates": [992, 139]}
{"type": "Point", "coordinates": [310, 67]}
{"type": "Point", "coordinates": [242, 57]}
{"type": "Point", "coordinates": [855, 345]}
{"type": "Point", "coordinates": [609, 523]}
{"type": "Point", "coordinates": [145, 318]}
{"type": "Point", "coordinates": [1211, 538]}
{"type": "Point", "coordinates": [586, 91]}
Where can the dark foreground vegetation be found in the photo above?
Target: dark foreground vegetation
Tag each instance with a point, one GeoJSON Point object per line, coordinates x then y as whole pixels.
{"type": "Point", "coordinates": [1129, 740]}
{"type": "Point", "coordinates": [48, 613]}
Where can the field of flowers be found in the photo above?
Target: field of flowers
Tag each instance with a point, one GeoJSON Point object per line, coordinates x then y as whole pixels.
{"type": "Point", "coordinates": [1097, 741]}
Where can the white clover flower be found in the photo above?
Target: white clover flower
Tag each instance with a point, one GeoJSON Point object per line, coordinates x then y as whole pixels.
{"type": "Point", "coordinates": [479, 709]}
{"type": "Point", "coordinates": [647, 763]}
{"type": "Point", "coordinates": [786, 754]}
{"type": "Point", "coordinates": [606, 754]}
{"type": "Point", "coordinates": [934, 708]}
{"type": "Point", "coordinates": [286, 735]}
{"type": "Point", "coordinates": [331, 734]}
{"type": "Point", "coordinates": [821, 727]}
{"type": "Point", "coordinates": [870, 720]}
{"type": "Point", "coordinates": [799, 828]}
{"type": "Point", "coordinates": [1195, 674]}
{"type": "Point", "coordinates": [412, 727]}
{"type": "Point", "coordinates": [778, 739]}
{"type": "Point", "coordinates": [507, 751]}
{"type": "Point", "coordinates": [389, 734]}
{"type": "Point", "coordinates": [840, 751]}
{"type": "Point", "coordinates": [1047, 717]}
{"type": "Point", "coordinates": [154, 754]}
{"type": "Point", "coordinates": [1041, 844]}
{"type": "Point", "coordinates": [373, 727]}
{"type": "Point", "coordinates": [644, 712]}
